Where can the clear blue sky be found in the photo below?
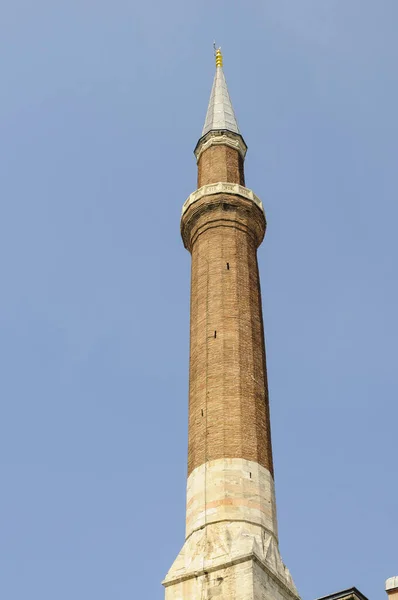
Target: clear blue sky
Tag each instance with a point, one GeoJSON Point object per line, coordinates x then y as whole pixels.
{"type": "Point", "coordinates": [101, 106]}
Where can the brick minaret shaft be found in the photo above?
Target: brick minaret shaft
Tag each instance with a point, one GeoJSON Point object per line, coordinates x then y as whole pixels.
{"type": "Point", "coordinates": [231, 548]}
{"type": "Point", "coordinates": [228, 393]}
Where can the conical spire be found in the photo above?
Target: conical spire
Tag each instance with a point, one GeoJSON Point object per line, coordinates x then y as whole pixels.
{"type": "Point", "coordinates": [220, 114]}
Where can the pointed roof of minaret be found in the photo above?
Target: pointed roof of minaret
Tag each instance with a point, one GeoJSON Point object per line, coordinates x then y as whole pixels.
{"type": "Point", "coordinates": [220, 114]}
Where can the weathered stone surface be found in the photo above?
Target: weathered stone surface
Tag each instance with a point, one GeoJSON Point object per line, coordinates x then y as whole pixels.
{"type": "Point", "coordinates": [218, 188]}
{"type": "Point", "coordinates": [231, 489]}
{"type": "Point", "coordinates": [230, 561]}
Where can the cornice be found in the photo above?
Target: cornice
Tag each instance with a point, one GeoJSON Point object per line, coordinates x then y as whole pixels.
{"type": "Point", "coordinates": [222, 188]}
{"type": "Point", "coordinates": [221, 137]}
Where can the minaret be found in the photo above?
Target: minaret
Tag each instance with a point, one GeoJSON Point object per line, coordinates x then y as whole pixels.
{"type": "Point", "coordinates": [231, 548]}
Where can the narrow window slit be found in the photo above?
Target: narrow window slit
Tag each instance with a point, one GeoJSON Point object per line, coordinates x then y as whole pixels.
{"type": "Point", "coordinates": [250, 475]}
{"type": "Point", "coordinates": [202, 412]}
{"type": "Point", "coordinates": [215, 334]}
{"type": "Point", "coordinates": [227, 266]}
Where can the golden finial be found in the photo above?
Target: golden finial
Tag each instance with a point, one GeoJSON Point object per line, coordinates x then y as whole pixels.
{"type": "Point", "coordinates": [218, 55]}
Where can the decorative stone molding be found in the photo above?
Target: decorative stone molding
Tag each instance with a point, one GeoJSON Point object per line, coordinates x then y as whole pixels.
{"type": "Point", "coordinates": [392, 584]}
{"type": "Point", "coordinates": [222, 209]}
{"type": "Point", "coordinates": [222, 188]}
{"type": "Point", "coordinates": [216, 138]}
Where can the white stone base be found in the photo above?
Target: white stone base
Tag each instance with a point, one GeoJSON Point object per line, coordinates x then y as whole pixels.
{"type": "Point", "coordinates": [231, 548]}
{"type": "Point", "coordinates": [230, 561]}
{"type": "Point", "coordinates": [242, 581]}
{"type": "Point", "coordinates": [230, 489]}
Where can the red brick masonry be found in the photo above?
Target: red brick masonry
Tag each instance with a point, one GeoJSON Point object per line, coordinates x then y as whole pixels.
{"type": "Point", "coordinates": [228, 393]}
{"type": "Point", "coordinates": [220, 163]}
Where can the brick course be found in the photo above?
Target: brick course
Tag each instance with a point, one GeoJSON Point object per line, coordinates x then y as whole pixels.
{"type": "Point", "coordinates": [220, 163]}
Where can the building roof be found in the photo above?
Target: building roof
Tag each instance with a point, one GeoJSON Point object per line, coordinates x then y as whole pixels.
{"type": "Point", "coordinates": [349, 593]}
{"type": "Point", "coordinates": [220, 114]}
